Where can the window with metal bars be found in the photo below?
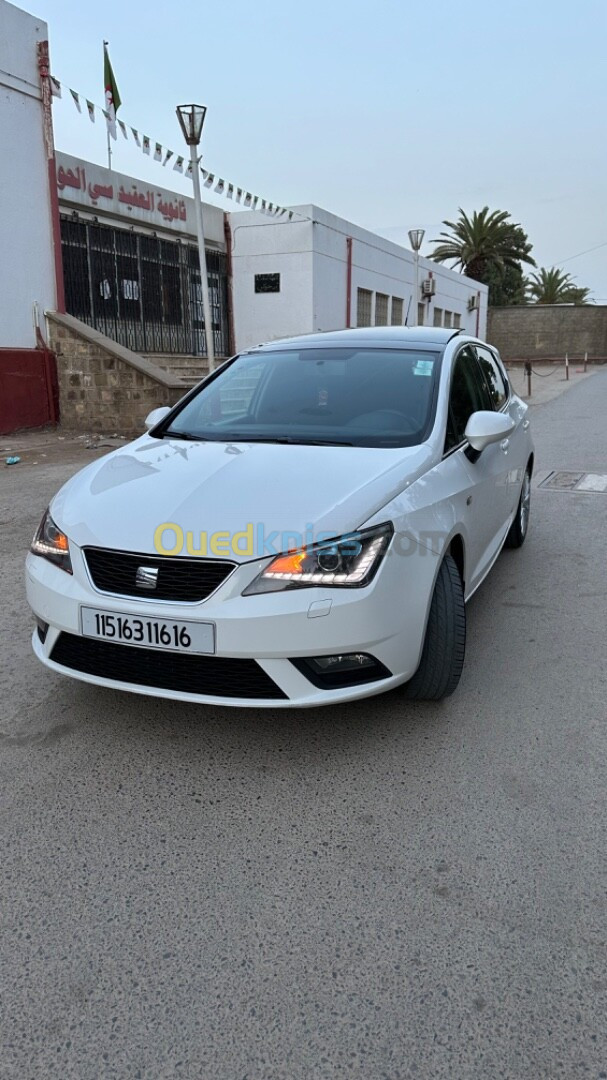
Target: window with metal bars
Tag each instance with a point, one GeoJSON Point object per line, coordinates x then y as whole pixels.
{"type": "Point", "coordinates": [363, 307]}
{"type": "Point", "coordinates": [396, 314]}
{"type": "Point", "coordinates": [381, 309]}
{"type": "Point", "coordinates": [142, 291]}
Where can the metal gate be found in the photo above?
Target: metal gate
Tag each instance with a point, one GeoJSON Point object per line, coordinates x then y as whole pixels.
{"type": "Point", "coordinates": [142, 291]}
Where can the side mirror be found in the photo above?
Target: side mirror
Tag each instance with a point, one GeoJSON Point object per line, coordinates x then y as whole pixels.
{"type": "Point", "coordinates": [484, 428]}
{"type": "Point", "coordinates": [156, 416]}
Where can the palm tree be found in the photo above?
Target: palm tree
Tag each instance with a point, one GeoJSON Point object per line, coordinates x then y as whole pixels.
{"type": "Point", "coordinates": [487, 240]}
{"type": "Point", "coordinates": [553, 286]}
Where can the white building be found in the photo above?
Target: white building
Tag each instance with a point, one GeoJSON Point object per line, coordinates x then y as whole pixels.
{"type": "Point", "coordinates": [30, 262]}
{"type": "Point", "coordinates": [320, 272]}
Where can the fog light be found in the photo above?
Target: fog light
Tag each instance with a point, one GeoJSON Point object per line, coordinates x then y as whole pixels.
{"type": "Point", "coordinates": [340, 670]}
{"type": "Point", "coordinates": [345, 662]}
{"type": "Point", "coordinates": [42, 629]}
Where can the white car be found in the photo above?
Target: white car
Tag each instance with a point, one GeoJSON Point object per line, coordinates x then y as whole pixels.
{"type": "Point", "coordinates": [303, 528]}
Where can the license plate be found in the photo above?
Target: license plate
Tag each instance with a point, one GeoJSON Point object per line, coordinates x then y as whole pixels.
{"type": "Point", "coordinates": [148, 633]}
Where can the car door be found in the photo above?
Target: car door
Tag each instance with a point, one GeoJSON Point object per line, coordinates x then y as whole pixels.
{"type": "Point", "coordinates": [517, 444]}
{"type": "Point", "coordinates": [486, 515]}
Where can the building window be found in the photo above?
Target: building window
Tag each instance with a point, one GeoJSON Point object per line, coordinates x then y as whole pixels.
{"type": "Point", "coordinates": [438, 316]}
{"type": "Point", "coordinates": [363, 307]}
{"type": "Point", "coordinates": [381, 309]}
{"type": "Point", "coordinates": [447, 318]}
{"type": "Point", "coordinates": [396, 315]}
{"type": "Point", "coordinates": [421, 314]}
{"type": "Point", "coordinates": [457, 320]}
{"type": "Point", "coordinates": [267, 283]}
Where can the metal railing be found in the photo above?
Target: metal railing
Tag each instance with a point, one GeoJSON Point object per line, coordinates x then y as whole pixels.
{"type": "Point", "coordinates": [142, 291]}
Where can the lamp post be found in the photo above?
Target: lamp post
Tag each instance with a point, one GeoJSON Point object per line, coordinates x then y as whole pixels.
{"type": "Point", "coordinates": [191, 120]}
{"type": "Point", "coordinates": [416, 237]}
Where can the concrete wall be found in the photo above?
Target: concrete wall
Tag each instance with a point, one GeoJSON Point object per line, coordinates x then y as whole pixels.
{"type": "Point", "coordinates": [261, 245]}
{"type": "Point", "coordinates": [27, 270]}
{"type": "Point", "coordinates": [310, 254]}
{"type": "Point", "coordinates": [543, 330]}
{"type": "Point", "coordinates": [103, 386]}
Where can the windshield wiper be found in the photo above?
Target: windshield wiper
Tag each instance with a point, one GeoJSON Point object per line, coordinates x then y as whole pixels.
{"type": "Point", "coordinates": [188, 435]}
{"type": "Point", "coordinates": [290, 440]}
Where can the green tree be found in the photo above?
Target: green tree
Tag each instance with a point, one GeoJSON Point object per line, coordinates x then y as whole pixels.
{"type": "Point", "coordinates": [553, 286]}
{"type": "Point", "coordinates": [489, 247]}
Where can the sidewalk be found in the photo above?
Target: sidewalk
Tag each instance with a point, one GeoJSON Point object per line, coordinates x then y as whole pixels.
{"type": "Point", "coordinates": [547, 380]}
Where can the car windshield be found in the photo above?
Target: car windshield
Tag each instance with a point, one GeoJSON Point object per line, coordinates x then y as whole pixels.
{"type": "Point", "coordinates": [336, 396]}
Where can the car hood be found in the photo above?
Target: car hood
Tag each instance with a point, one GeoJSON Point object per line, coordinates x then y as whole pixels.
{"type": "Point", "coordinates": [120, 500]}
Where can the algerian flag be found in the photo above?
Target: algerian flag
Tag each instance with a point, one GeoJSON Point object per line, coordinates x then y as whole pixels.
{"type": "Point", "coordinates": [112, 97]}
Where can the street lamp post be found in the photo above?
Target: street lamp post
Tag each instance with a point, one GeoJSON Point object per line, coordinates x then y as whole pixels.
{"type": "Point", "coordinates": [191, 120]}
{"type": "Point", "coordinates": [416, 237]}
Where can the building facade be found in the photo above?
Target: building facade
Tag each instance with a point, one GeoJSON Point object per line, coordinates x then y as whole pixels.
{"type": "Point", "coordinates": [29, 283]}
{"type": "Point", "coordinates": [319, 272]}
{"type": "Point", "coordinates": [130, 261]}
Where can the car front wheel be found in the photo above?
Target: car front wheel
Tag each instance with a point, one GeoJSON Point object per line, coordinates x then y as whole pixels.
{"type": "Point", "coordinates": [445, 643]}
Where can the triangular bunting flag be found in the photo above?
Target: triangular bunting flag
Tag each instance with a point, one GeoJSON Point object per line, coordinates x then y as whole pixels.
{"type": "Point", "coordinates": [76, 100]}
{"type": "Point", "coordinates": [55, 87]}
{"type": "Point", "coordinates": [122, 126]}
{"type": "Point", "coordinates": [158, 152]}
{"type": "Point", "coordinates": [178, 166]}
{"type": "Point", "coordinates": [136, 136]}
{"type": "Point", "coordinates": [91, 109]}
{"type": "Point", "coordinates": [169, 154]}
{"type": "Point", "coordinates": [220, 186]}
{"type": "Point", "coordinates": [146, 144]}
{"type": "Point", "coordinates": [209, 180]}
{"type": "Point", "coordinates": [238, 194]}
{"type": "Point", "coordinates": [247, 198]}
{"type": "Point", "coordinates": [230, 191]}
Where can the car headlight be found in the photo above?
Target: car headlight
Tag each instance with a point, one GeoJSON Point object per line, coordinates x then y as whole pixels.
{"type": "Point", "coordinates": [52, 544]}
{"type": "Point", "coordinates": [348, 562]}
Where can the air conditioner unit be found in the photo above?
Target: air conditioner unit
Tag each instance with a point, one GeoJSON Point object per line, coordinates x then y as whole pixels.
{"type": "Point", "coordinates": [428, 287]}
{"type": "Point", "coordinates": [472, 302]}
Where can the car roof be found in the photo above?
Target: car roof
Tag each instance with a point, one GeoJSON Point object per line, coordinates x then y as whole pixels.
{"type": "Point", "coordinates": [373, 336]}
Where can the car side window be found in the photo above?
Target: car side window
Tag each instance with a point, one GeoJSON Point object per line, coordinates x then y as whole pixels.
{"type": "Point", "coordinates": [469, 393]}
{"type": "Point", "coordinates": [495, 380]}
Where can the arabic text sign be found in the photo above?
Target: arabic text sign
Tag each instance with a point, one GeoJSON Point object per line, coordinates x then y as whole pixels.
{"type": "Point", "coordinates": [92, 186]}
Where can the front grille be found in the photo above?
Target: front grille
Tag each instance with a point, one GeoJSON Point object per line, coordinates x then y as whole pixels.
{"type": "Point", "coordinates": [216, 676]}
{"type": "Point", "coordinates": [185, 580]}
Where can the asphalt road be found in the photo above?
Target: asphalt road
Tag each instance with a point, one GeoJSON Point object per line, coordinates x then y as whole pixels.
{"type": "Point", "coordinates": [376, 891]}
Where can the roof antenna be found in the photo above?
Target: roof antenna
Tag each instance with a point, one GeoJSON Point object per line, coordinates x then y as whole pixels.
{"type": "Point", "coordinates": [408, 310]}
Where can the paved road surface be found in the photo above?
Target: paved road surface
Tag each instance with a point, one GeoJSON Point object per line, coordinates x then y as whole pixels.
{"type": "Point", "coordinates": [376, 891]}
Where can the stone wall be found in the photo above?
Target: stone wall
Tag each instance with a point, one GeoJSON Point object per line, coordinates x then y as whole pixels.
{"type": "Point", "coordinates": [103, 386]}
{"type": "Point", "coordinates": [545, 331]}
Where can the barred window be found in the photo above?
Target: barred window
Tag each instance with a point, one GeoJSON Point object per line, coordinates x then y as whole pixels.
{"type": "Point", "coordinates": [421, 314]}
{"type": "Point", "coordinates": [396, 316]}
{"type": "Point", "coordinates": [438, 316]}
{"type": "Point", "coordinates": [363, 307]}
{"type": "Point", "coordinates": [381, 309]}
{"type": "Point", "coordinates": [447, 319]}
{"type": "Point", "coordinates": [457, 320]}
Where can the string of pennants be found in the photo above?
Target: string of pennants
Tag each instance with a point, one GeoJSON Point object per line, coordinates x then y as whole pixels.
{"type": "Point", "coordinates": [161, 154]}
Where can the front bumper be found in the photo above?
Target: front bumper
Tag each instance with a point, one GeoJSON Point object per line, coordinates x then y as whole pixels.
{"type": "Point", "coordinates": [386, 620]}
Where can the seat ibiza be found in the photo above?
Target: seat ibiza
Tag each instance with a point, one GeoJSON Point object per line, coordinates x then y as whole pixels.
{"type": "Point", "coordinates": [304, 527]}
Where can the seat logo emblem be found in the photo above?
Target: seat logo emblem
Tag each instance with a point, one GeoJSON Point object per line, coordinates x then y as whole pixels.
{"type": "Point", "coordinates": [146, 577]}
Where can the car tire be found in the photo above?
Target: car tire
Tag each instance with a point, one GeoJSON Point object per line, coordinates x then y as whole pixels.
{"type": "Point", "coordinates": [445, 643]}
{"type": "Point", "coordinates": [518, 530]}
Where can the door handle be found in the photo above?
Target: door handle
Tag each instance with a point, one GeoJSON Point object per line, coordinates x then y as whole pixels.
{"type": "Point", "coordinates": [505, 443]}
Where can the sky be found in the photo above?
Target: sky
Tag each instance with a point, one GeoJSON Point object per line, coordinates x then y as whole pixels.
{"type": "Point", "coordinates": [390, 114]}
